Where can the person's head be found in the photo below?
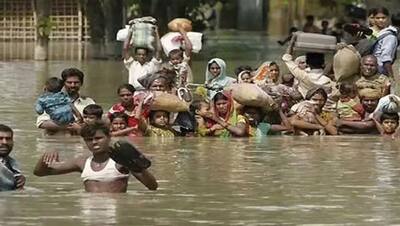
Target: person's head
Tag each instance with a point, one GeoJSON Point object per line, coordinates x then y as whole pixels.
{"type": "Point", "coordinates": [54, 85]}
{"type": "Point", "coordinates": [245, 77]}
{"type": "Point", "coordinates": [159, 118]}
{"type": "Point", "coordinates": [396, 20]}
{"type": "Point", "coordinates": [159, 83]}
{"type": "Point", "coordinates": [315, 60]}
{"type": "Point", "coordinates": [274, 71]}
{"type": "Point", "coordinates": [215, 67]}
{"type": "Point", "coordinates": [369, 66]}
{"type": "Point", "coordinates": [382, 18]}
{"type": "Point", "coordinates": [141, 54]}
{"type": "Point", "coordinates": [175, 56]}
{"type": "Point", "coordinates": [199, 107]}
{"type": "Point", "coordinates": [92, 113]}
{"type": "Point", "coordinates": [288, 79]}
{"type": "Point", "coordinates": [125, 93]}
{"type": "Point", "coordinates": [390, 122]}
{"type": "Point", "coordinates": [324, 24]}
{"type": "Point", "coordinates": [96, 136]}
{"type": "Point", "coordinates": [73, 80]}
{"type": "Point", "coordinates": [254, 114]}
{"type": "Point", "coordinates": [242, 68]}
{"type": "Point", "coordinates": [119, 121]}
{"type": "Point", "coordinates": [347, 90]}
{"type": "Point", "coordinates": [301, 62]}
{"type": "Point", "coordinates": [371, 17]}
{"type": "Point", "coordinates": [318, 97]}
{"type": "Point", "coordinates": [222, 104]}
{"type": "Point", "coordinates": [309, 19]}
{"type": "Point", "coordinates": [6, 140]}
{"type": "Point", "coordinates": [369, 98]}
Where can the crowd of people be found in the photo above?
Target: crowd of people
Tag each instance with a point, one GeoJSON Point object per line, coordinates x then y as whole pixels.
{"type": "Point", "coordinates": [308, 100]}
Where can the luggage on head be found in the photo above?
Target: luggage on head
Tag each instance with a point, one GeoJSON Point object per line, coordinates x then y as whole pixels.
{"type": "Point", "coordinates": [346, 62]}
{"type": "Point", "coordinates": [143, 31]}
{"type": "Point", "coordinates": [389, 104]}
{"type": "Point", "coordinates": [174, 24]}
{"type": "Point", "coordinates": [168, 102]}
{"type": "Point", "coordinates": [312, 42]}
{"type": "Point", "coordinates": [252, 95]}
{"type": "Point", "coordinates": [174, 40]}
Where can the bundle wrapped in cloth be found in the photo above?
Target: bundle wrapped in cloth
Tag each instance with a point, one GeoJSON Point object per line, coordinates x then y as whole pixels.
{"type": "Point", "coordinates": [176, 23]}
{"type": "Point", "coordinates": [167, 102]}
{"type": "Point", "coordinates": [346, 62]}
{"type": "Point", "coordinates": [143, 30]}
{"type": "Point", "coordinates": [248, 94]}
{"type": "Point", "coordinates": [389, 104]}
{"type": "Point", "coordinates": [174, 40]}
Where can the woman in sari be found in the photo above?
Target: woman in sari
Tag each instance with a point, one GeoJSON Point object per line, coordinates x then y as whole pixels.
{"type": "Point", "coordinates": [226, 120]}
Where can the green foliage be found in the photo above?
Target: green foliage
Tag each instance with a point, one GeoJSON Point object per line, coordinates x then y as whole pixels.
{"type": "Point", "coordinates": [44, 26]}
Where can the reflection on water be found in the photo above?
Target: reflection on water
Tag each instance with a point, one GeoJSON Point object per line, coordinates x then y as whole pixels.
{"type": "Point", "coordinates": [272, 181]}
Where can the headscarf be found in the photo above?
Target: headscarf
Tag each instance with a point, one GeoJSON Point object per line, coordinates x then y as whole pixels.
{"type": "Point", "coordinates": [262, 73]}
{"type": "Point", "coordinates": [299, 59]}
{"type": "Point", "coordinates": [220, 81]}
{"type": "Point", "coordinates": [240, 75]}
{"type": "Point", "coordinates": [230, 107]}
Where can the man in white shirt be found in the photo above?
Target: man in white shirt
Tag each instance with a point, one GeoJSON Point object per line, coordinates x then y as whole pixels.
{"type": "Point", "coordinates": [308, 79]}
{"type": "Point", "coordinates": [139, 65]}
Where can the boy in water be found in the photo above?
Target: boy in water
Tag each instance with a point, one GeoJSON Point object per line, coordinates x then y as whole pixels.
{"type": "Point", "coordinates": [201, 111]}
{"type": "Point", "coordinates": [99, 172]}
{"type": "Point", "coordinates": [389, 125]}
{"type": "Point", "coordinates": [347, 108]}
{"type": "Point", "coordinates": [119, 125]}
{"type": "Point", "coordinates": [55, 103]}
{"type": "Point", "coordinates": [92, 113]}
{"type": "Point", "coordinates": [10, 175]}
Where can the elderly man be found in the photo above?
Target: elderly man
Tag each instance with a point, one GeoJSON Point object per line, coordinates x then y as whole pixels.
{"type": "Point", "coordinates": [370, 78]}
{"type": "Point", "coordinates": [73, 80]}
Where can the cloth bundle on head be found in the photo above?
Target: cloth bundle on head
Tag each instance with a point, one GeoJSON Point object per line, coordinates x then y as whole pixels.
{"type": "Point", "coordinates": [261, 74]}
{"type": "Point", "coordinates": [389, 104]}
{"type": "Point", "coordinates": [369, 93]}
{"type": "Point", "coordinates": [174, 24]}
{"type": "Point", "coordinates": [143, 30]}
{"type": "Point", "coordinates": [248, 94]}
{"type": "Point", "coordinates": [168, 102]}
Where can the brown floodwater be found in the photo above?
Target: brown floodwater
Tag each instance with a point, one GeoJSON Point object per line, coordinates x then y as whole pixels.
{"type": "Point", "coordinates": [278, 180]}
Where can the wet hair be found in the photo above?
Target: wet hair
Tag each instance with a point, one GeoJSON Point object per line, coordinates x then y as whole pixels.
{"type": "Point", "coordinates": [242, 68]}
{"type": "Point", "coordinates": [392, 116]}
{"type": "Point", "coordinates": [72, 72]}
{"type": "Point", "coordinates": [396, 19]}
{"type": "Point", "coordinates": [153, 113]}
{"type": "Point", "coordinates": [144, 48]}
{"type": "Point", "coordinates": [175, 52]}
{"type": "Point", "coordinates": [310, 18]}
{"type": "Point", "coordinates": [382, 10]}
{"type": "Point", "coordinates": [93, 109]}
{"type": "Point", "coordinates": [346, 88]}
{"type": "Point", "coordinates": [273, 63]}
{"type": "Point", "coordinates": [127, 86]}
{"type": "Point", "coordinates": [220, 96]}
{"type": "Point", "coordinates": [314, 91]}
{"type": "Point", "coordinates": [196, 105]}
{"type": "Point", "coordinates": [371, 12]}
{"type": "Point", "coordinates": [89, 130]}
{"type": "Point", "coordinates": [6, 129]}
{"type": "Point", "coordinates": [315, 60]}
{"type": "Point", "coordinates": [54, 85]}
{"type": "Point", "coordinates": [258, 109]}
{"type": "Point", "coordinates": [119, 115]}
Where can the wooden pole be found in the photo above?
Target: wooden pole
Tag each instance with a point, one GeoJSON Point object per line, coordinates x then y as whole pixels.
{"type": "Point", "coordinates": [42, 11]}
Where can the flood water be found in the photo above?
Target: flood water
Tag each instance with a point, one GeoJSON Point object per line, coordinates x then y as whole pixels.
{"type": "Point", "coordinates": [278, 180]}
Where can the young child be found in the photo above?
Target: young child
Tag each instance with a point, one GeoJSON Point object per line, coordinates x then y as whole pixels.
{"type": "Point", "coordinates": [56, 103]}
{"type": "Point", "coordinates": [119, 125]}
{"type": "Point", "coordinates": [389, 125]}
{"type": "Point", "coordinates": [92, 113]}
{"type": "Point", "coordinates": [201, 111]}
{"type": "Point", "coordinates": [158, 124]}
{"type": "Point", "coordinates": [347, 108]}
{"type": "Point", "coordinates": [180, 60]}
